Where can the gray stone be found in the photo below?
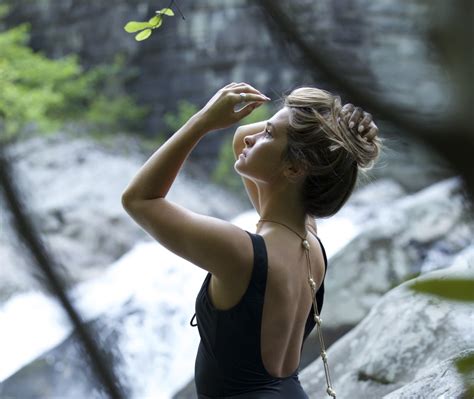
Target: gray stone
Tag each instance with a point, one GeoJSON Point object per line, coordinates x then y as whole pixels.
{"type": "Point", "coordinates": [396, 243]}
{"type": "Point", "coordinates": [404, 347]}
{"type": "Point", "coordinates": [65, 371]}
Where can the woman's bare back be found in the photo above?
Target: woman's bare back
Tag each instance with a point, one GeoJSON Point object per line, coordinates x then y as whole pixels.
{"type": "Point", "coordinates": [287, 301]}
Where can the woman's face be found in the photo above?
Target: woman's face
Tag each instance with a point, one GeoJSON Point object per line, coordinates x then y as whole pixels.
{"type": "Point", "coordinates": [263, 150]}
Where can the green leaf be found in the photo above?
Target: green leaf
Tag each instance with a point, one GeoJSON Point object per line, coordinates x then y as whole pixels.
{"type": "Point", "coordinates": [156, 21]}
{"type": "Point", "coordinates": [134, 26]}
{"type": "Point", "coordinates": [144, 34]}
{"type": "Point", "coordinates": [457, 289]}
{"type": "Point", "coordinates": [165, 11]}
{"type": "Point", "coordinates": [465, 365]}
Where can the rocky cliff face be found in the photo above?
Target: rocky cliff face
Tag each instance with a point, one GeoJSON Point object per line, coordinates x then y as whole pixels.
{"type": "Point", "coordinates": [379, 45]}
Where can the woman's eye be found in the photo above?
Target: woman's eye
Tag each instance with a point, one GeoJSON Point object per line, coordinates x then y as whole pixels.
{"type": "Point", "coordinates": [267, 133]}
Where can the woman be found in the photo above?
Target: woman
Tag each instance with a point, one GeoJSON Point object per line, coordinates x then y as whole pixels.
{"type": "Point", "coordinates": [254, 309]}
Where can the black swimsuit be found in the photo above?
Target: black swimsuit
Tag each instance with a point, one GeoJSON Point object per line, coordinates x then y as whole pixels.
{"type": "Point", "coordinates": [228, 362]}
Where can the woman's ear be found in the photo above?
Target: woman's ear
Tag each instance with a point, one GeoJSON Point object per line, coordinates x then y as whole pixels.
{"type": "Point", "coordinates": [295, 172]}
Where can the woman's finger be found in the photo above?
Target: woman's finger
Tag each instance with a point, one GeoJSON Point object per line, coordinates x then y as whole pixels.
{"type": "Point", "coordinates": [249, 97]}
{"type": "Point", "coordinates": [365, 122]}
{"type": "Point", "coordinates": [347, 108]}
{"type": "Point", "coordinates": [346, 112]}
{"type": "Point", "coordinates": [243, 112]}
{"type": "Point", "coordinates": [355, 117]}
{"type": "Point", "coordinates": [244, 87]}
{"type": "Point", "coordinates": [373, 131]}
{"type": "Point", "coordinates": [243, 84]}
{"type": "Point", "coordinates": [229, 85]}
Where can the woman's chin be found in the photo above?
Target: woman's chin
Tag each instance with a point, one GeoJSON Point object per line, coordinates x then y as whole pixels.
{"type": "Point", "coordinates": [237, 166]}
{"type": "Point", "coordinates": [240, 160]}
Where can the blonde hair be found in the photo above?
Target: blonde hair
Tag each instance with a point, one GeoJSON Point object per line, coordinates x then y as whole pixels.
{"type": "Point", "coordinates": [330, 153]}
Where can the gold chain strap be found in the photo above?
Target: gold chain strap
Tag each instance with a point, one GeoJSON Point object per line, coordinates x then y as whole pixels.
{"type": "Point", "coordinates": [330, 391]}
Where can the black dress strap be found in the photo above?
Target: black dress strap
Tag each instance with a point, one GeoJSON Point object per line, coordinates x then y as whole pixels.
{"type": "Point", "coordinates": [191, 322]}
{"type": "Point", "coordinates": [320, 292]}
{"type": "Point", "coordinates": [322, 247]}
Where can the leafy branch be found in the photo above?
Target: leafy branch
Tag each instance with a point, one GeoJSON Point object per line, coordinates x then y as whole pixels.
{"type": "Point", "coordinates": [145, 28]}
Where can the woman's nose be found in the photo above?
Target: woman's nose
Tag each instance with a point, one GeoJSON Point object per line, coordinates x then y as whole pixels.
{"type": "Point", "coordinates": [247, 140]}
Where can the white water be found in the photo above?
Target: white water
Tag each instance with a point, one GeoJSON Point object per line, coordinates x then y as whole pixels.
{"type": "Point", "coordinates": [157, 343]}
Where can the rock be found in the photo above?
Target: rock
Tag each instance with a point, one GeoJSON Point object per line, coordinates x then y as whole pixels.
{"type": "Point", "coordinates": [438, 381]}
{"type": "Point", "coordinates": [65, 371]}
{"type": "Point", "coordinates": [398, 241]}
{"type": "Point", "coordinates": [404, 347]}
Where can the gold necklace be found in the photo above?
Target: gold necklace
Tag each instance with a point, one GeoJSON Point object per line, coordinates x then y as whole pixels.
{"type": "Point", "coordinates": [304, 242]}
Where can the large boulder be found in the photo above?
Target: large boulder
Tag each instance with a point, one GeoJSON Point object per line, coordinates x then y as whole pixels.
{"type": "Point", "coordinates": [404, 347]}
{"type": "Point", "coordinates": [398, 240]}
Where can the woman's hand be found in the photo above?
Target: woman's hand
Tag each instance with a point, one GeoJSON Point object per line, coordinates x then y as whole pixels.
{"type": "Point", "coordinates": [219, 112]}
{"type": "Point", "coordinates": [359, 120]}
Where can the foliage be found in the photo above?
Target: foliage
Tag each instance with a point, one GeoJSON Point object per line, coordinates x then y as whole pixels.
{"type": "Point", "coordinates": [147, 27]}
{"type": "Point", "coordinates": [465, 366]}
{"type": "Point", "coordinates": [224, 173]}
{"type": "Point", "coordinates": [45, 94]}
{"type": "Point", "coordinates": [457, 289]}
